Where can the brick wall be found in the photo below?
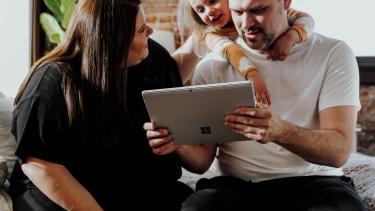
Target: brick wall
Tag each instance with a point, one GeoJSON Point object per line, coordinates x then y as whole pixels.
{"type": "Point", "coordinates": [161, 14]}
{"type": "Point", "coordinates": [366, 121]}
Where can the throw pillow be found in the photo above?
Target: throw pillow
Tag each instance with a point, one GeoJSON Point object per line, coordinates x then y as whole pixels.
{"type": "Point", "coordinates": [361, 168]}
{"type": "Point", "coordinates": [7, 142]}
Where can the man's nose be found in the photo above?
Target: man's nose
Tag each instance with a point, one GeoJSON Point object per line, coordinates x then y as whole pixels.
{"type": "Point", "coordinates": [248, 21]}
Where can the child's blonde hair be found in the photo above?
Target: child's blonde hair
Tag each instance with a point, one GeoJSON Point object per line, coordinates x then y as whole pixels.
{"type": "Point", "coordinates": [189, 23]}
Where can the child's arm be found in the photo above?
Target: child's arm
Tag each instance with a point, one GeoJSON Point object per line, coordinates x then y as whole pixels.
{"type": "Point", "coordinates": [302, 26]}
{"type": "Point", "coordinates": [238, 59]}
{"type": "Point", "coordinates": [302, 23]}
{"type": "Point", "coordinates": [186, 60]}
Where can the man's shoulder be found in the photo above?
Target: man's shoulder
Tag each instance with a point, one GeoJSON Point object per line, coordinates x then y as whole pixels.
{"type": "Point", "coordinates": [324, 42]}
{"type": "Point", "coordinates": [330, 48]}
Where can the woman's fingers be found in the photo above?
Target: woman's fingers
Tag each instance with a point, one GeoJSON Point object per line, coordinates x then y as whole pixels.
{"type": "Point", "coordinates": [149, 126]}
{"type": "Point", "coordinates": [151, 134]}
{"type": "Point", "coordinates": [165, 148]}
{"type": "Point", "coordinates": [157, 142]}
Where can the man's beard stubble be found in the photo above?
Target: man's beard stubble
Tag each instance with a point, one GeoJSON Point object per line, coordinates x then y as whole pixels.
{"type": "Point", "coordinates": [266, 40]}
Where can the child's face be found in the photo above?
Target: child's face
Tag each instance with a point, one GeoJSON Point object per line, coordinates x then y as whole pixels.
{"type": "Point", "coordinates": [212, 12]}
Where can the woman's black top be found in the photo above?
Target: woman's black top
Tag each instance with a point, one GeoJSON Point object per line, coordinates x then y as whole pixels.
{"type": "Point", "coordinates": [118, 175]}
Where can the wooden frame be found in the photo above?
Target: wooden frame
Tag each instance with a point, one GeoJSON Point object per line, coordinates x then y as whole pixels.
{"type": "Point", "coordinates": [37, 36]}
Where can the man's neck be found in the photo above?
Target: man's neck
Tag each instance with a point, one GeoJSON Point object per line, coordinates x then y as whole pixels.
{"type": "Point", "coordinates": [243, 44]}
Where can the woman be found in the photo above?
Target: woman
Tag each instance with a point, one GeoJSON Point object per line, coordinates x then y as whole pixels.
{"type": "Point", "coordinates": [79, 115]}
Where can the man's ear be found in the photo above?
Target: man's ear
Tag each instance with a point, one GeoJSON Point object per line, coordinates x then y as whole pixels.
{"type": "Point", "coordinates": [287, 4]}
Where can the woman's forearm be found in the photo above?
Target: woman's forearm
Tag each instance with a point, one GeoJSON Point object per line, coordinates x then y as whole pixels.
{"type": "Point", "coordinates": [197, 158]}
{"type": "Point", "coordinates": [59, 185]}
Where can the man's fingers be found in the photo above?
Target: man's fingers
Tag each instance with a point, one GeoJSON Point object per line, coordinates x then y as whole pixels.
{"type": "Point", "coordinates": [258, 97]}
{"type": "Point", "coordinates": [260, 112]}
{"type": "Point", "coordinates": [262, 105]}
{"type": "Point", "coordinates": [245, 128]}
{"type": "Point", "coordinates": [255, 137]}
{"type": "Point", "coordinates": [245, 120]}
{"type": "Point", "coordinates": [268, 96]}
{"type": "Point", "coordinates": [264, 98]}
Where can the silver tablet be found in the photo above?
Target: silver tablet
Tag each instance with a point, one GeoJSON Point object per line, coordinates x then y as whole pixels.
{"type": "Point", "coordinates": [195, 114]}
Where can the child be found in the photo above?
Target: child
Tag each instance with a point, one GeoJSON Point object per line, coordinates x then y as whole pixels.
{"type": "Point", "coordinates": [212, 24]}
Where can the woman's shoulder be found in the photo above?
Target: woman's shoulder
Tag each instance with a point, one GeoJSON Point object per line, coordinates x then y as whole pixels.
{"type": "Point", "coordinates": [45, 82]}
{"type": "Point", "coordinates": [157, 50]}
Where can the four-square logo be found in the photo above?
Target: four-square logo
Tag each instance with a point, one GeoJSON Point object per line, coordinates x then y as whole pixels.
{"type": "Point", "coordinates": [205, 130]}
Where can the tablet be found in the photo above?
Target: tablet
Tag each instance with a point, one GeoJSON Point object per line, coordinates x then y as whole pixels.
{"type": "Point", "coordinates": [195, 114]}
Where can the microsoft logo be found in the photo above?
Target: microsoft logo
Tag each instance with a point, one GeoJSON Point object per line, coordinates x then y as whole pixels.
{"type": "Point", "coordinates": [205, 130]}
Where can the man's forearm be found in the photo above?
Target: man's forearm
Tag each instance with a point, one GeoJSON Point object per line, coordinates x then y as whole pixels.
{"type": "Point", "coordinates": [325, 147]}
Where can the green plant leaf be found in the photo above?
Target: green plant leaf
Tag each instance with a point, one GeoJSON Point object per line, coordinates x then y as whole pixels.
{"type": "Point", "coordinates": [67, 8]}
{"type": "Point", "coordinates": [55, 7]}
{"type": "Point", "coordinates": [51, 28]}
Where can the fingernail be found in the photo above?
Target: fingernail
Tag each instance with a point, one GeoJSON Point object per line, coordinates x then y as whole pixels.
{"type": "Point", "coordinates": [251, 113]}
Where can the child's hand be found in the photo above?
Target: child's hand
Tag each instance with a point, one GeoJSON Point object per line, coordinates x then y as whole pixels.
{"type": "Point", "coordinates": [282, 46]}
{"type": "Point", "coordinates": [261, 92]}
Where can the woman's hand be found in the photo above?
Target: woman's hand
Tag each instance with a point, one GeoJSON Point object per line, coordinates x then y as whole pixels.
{"type": "Point", "coordinates": [159, 139]}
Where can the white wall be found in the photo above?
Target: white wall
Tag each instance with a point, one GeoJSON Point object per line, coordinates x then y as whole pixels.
{"type": "Point", "coordinates": [14, 44]}
{"type": "Point", "coordinates": [351, 21]}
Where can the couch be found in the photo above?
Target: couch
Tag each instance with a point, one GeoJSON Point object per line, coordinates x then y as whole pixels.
{"type": "Point", "coordinates": [7, 146]}
{"type": "Point", "coordinates": [360, 167]}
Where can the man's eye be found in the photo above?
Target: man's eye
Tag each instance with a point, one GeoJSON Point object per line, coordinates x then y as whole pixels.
{"type": "Point", "coordinates": [259, 10]}
{"type": "Point", "coordinates": [237, 12]}
{"type": "Point", "coordinates": [212, 1]}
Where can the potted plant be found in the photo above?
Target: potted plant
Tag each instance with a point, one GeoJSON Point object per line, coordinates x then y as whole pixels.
{"type": "Point", "coordinates": [54, 25]}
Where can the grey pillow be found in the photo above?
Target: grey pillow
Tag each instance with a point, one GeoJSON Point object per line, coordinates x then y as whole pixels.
{"type": "Point", "coordinates": [7, 142]}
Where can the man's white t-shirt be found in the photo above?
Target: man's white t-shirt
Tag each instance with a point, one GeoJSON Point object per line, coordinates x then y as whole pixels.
{"type": "Point", "coordinates": [318, 74]}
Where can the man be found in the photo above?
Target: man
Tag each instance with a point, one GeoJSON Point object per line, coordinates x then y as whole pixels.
{"type": "Point", "coordinates": [301, 140]}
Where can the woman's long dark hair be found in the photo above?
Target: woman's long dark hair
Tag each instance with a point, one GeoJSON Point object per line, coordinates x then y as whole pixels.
{"type": "Point", "coordinates": [94, 56]}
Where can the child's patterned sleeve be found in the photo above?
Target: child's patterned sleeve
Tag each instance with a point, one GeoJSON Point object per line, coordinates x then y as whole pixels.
{"type": "Point", "coordinates": [231, 51]}
{"type": "Point", "coordinates": [302, 22]}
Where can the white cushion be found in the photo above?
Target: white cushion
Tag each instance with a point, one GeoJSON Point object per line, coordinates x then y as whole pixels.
{"type": "Point", "coordinates": [7, 142]}
{"type": "Point", "coordinates": [5, 201]}
{"type": "Point", "coordinates": [165, 38]}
